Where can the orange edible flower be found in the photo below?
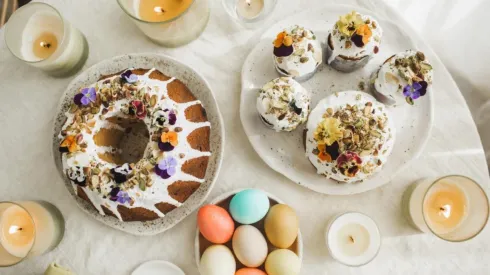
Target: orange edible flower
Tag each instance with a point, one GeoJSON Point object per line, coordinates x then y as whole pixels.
{"type": "Point", "coordinates": [279, 39]}
{"type": "Point", "coordinates": [70, 143]}
{"type": "Point", "coordinates": [324, 156]}
{"type": "Point", "coordinates": [170, 137]}
{"type": "Point", "coordinates": [365, 32]}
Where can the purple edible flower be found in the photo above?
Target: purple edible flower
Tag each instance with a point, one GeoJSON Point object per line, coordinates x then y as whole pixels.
{"type": "Point", "coordinates": [172, 117]}
{"type": "Point", "coordinates": [123, 197]}
{"type": "Point", "coordinates": [165, 146]}
{"type": "Point", "coordinates": [166, 167]}
{"type": "Point", "coordinates": [85, 97]}
{"type": "Point", "coordinates": [416, 90]}
{"type": "Point", "coordinates": [129, 76]}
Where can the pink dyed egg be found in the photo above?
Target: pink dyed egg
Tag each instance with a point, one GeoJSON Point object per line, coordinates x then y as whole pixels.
{"type": "Point", "coordinates": [215, 224]}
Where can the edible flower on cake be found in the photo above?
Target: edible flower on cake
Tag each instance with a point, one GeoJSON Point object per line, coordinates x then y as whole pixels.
{"type": "Point", "coordinates": [297, 53]}
{"type": "Point", "coordinates": [349, 136]}
{"type": "Point", "coordinates": [404, 77]}
{"type": "Point", "coordinates": [353, 41]}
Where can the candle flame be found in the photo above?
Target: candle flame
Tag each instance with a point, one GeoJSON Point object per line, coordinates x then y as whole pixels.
{"type": "Point", "coordinates": [158, 10]}
{"type": "Point", "coordinates": [445, 211]}
{"type": "Point", "coordinates": [45, 44]}
{"type": "Point", "coordinates": [14, 228]}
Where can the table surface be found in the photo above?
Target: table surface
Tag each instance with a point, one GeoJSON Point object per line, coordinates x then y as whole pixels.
{"type": "Point", "coordinates": [28, 105]}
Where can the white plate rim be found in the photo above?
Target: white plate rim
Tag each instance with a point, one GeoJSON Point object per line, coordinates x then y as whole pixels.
{"type": "Point", "coordinates": [167, 263]}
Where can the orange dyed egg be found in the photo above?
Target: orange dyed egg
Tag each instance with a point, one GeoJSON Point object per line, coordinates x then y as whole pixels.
{"type": "Point", "coordinates": [215, 224]}
{"type": "Point", "coordinates": [250, 271]}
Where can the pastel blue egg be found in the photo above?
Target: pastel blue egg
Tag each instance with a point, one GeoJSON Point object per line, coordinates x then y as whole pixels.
{"type": "Point", "coordinates": [249, 206]}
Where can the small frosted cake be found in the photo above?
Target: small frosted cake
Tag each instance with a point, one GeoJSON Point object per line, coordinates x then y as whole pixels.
{"type": "Point", "coordinates": [349, 136]}
{"type": "Point", "coordinates": [283, 104]}
{"type": "Point", "coordinates": [403, 78]}
{"type": "Point", "coordinates": [297, 53]}
{"type": "Point", "coordinates": [354, 40]}
{"type": "Point", "coordinates": [135, 144]}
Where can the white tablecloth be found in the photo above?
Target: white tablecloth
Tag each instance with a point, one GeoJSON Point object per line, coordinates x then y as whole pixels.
{"type": "Point", "coordinates": [28, 104]}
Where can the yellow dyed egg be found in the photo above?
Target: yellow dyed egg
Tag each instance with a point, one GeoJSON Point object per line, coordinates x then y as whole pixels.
{"type": "Point", "coordinates": [281, 226]}
{"type": "Point", "coordinates": [282, 262]}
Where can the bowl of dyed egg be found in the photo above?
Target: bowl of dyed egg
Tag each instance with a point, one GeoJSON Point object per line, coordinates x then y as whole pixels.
{"type": "Point", "coordinates": [248, 232]}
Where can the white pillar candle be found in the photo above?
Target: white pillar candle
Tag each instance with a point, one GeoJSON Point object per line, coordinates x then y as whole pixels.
{"type": "Point", "coordinates": [38, 35]}
{"type": "Point", "coordinates": [28, 228]}
{"type": "Point", "coordinates": [353, 239]}
{"type": "Point", "coordinates": [170, 23]}
{"type": "Point", "coordinates": [454, 208]}
{"type": "Point", "coordinates": [249, 9]}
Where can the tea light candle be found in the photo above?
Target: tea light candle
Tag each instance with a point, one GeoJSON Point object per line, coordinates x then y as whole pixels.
{"type": "Point", "coordinates": [455, 208]}
{"type": "Point", "coordinates": [38, 35]}
{"type": "Point", "coordinates": [353, 239]}
{"type": "Point", "coordinates": [168, 22]}
{"type": "Point", "coordinates": [28, 228]}
{"type": "Point", "coordinates": [249, 9]}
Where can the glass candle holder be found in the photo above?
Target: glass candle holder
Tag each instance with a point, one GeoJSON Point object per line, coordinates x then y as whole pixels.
{"type": "Point", "coordinates": [27, 229]}
{"type": "Point", "coordinates": [454, 208]}
{"type": "Point", "coordinates": [170, 23]}
{"type": "Point", "coordinates": [38, 35]}
{"type": "Point", "coordinates": [249, 13]}
{"type": "Point", "coordinates": [353, 239]}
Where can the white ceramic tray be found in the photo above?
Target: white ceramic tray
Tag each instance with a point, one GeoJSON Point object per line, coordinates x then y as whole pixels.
{"type": "Point", "coordinates": [284, 152]}
{"type": "Point", "coordinates": [198, 86]}
{"type": "Point", "coordinates": [197, 254]}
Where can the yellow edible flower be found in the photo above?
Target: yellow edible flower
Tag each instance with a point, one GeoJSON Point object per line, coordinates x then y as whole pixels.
{"type": "Point", "coordinates": [349, 23]}
{"type": "Point", "coordinates": [328, 131]}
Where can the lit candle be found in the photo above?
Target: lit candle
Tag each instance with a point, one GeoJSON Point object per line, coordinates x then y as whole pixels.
{"type": "Point", "coordinates": [455, 208]}
{"type": "Point", "coordinates": [28, 229]}
{"type": "Point", "coordinates": [168, 22]}
{"type": "Point", "coordinates": [353, 239]}
{"type": "Point", "coordinates": [17, 235]}
{"type": "Point", "coordinates": [161, 10]}
{"type": "Point", "coordinates": [249, 9]}
{"type": "Point", "coordinates": [38, 35]}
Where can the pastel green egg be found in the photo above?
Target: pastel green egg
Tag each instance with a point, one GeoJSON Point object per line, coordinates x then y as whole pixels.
{"type": "Point", "coordinates": [249, 206]}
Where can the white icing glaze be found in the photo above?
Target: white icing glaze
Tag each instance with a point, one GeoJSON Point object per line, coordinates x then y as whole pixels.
{"type": "Point", "coordinates": [273, 96]}
{"type": "Point", "coordinates": [337, 101]}
{"type": "Point", "coordinates": [292, 63]}
{"type": "Point", "coordinates": [158, 192]}
{"type": "Point", "coordinates": [354, 51]}
{"type": "Point", "coordinates": [389, 83]}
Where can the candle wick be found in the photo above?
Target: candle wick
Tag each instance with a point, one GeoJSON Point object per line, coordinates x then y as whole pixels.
{"type": "Point", "coordinates": [249, 3]}
{"type": "Point", "coordinates": [352, 239]}
{"type": "Point", "coordinates": [442, 208]}
{"type": "Point", "coordinates": [20, 228]}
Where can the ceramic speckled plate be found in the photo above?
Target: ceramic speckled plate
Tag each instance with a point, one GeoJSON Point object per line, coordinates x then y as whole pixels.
{"type": "Point", "coordinates": [198, 86]}
{"type": "Point", "coordinates": [284, 152]}
{"type": "Point", "coordinates": [297, 246]}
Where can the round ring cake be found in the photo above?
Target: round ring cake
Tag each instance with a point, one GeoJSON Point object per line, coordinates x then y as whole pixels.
{"type": "Point", "coordinates": [135, 144]}
{"type": "Point", "coordinates": [349, 136]}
